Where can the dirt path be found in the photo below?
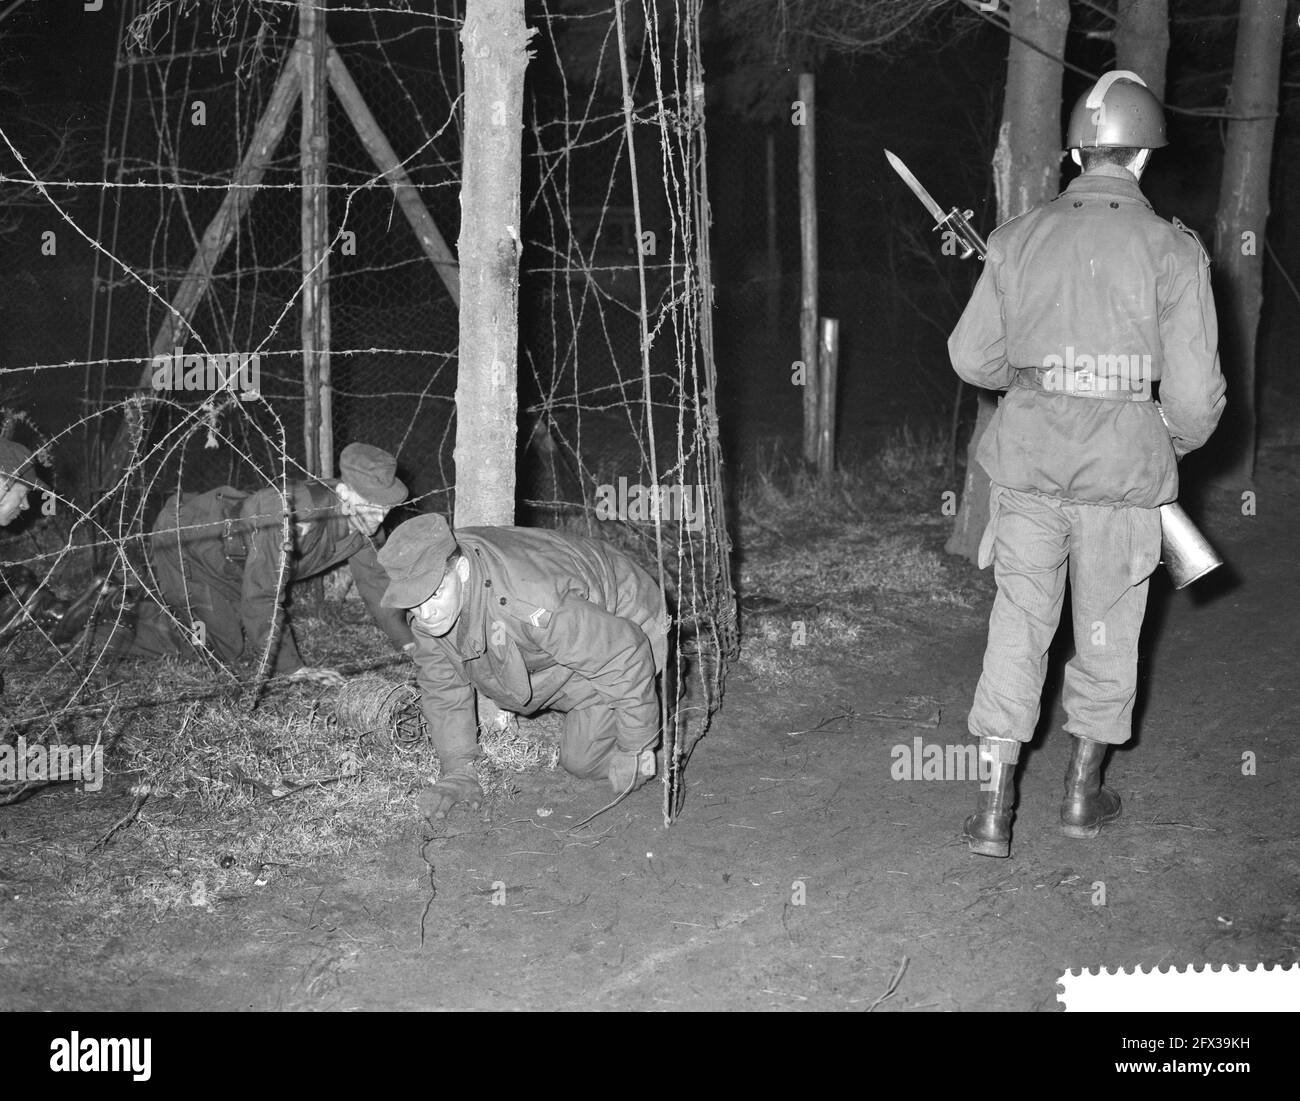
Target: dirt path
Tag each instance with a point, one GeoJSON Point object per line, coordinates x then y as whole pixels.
{"type": "Point", "coordinates": [711, 915]}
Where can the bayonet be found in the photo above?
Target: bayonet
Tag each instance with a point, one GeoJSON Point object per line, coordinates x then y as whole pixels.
{"type": "Point", "coordinates": [956, 222]}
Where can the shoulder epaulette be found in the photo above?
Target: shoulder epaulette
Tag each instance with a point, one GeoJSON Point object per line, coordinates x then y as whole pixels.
{"type": "Point", "coordinates": [1013, 218]}
{"type": "Point", "coordinates": [1178, 223]}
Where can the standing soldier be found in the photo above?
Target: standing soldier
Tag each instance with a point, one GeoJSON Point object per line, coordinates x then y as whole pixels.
{"type": "Point", "coordinates": [219, 556]}
{"type": "Point", "coordinates": [1083, 303]}
{"type": "Point", "coordinates": [532, 620]}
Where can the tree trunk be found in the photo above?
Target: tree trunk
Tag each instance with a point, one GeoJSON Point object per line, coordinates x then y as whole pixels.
{"type": "Point", "coordinates": [1026, 169]}
{"type": "Point", "coordinates": [318, 435]}
{"type": "Point", "coordinates": [495, 40]}
{"type": "Point", "coordinates": [1240, 223]}
{"type": "Point", "coordinates": [1142, 41]}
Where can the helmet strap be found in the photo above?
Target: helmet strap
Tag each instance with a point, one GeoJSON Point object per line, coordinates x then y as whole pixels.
{"type": "Point", "coordinates": [1098, 94]}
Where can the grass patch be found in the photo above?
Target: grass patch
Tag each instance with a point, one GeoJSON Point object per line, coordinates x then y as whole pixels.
{"type": "Point", "coordinates": [230, 800]}
{"type": "Point", "coordinates": [848, 565]}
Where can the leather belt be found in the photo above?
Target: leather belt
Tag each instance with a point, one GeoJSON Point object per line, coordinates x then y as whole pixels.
{"type": "Point", "coordinates": [1082, 384]}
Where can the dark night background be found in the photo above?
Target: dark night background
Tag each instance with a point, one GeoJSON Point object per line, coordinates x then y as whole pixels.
{"type": "Point", "coordinates": [936, 107]}
{"type": "Point", "coordinates": [803, 872]}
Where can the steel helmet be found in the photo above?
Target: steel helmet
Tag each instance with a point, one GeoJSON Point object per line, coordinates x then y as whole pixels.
{"type": "Point", "coordinates": [1118, 110]}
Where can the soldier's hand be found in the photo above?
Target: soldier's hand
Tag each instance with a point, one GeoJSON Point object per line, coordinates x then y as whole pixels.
{"type": "Point", "coordinates": [330, 678]}
{"type": "Point", "coordinates": [461, 786]}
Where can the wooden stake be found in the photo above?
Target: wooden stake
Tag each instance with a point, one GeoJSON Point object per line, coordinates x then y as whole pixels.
{"type": "Point", "coordinates": [828, 366]}
{"type": "Point", "coordinates": [773, 295]}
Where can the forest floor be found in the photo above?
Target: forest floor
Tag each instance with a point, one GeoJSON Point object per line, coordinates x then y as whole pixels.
{"type": "Point", "coordinates": [802, 873]}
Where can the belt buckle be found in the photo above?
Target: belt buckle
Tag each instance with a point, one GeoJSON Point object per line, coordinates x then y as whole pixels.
{"type": "Point", "coordinates": [1085, 381]}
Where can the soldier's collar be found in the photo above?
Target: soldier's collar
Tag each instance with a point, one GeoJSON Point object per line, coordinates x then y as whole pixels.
{"type": "Point", "coordinates": [1107, 179]}
{"type": "Point", "coordinates": [473, 612]}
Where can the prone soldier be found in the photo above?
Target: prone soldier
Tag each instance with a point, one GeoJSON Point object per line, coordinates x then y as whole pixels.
{"type": "Point", "coordinates": [531, 620]}
{"type": "Point", "coordinates": [218, 558]}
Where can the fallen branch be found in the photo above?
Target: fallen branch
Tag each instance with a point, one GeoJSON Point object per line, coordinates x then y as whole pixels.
{"type": "Point", "coordinates": [142, 797]}
{"type": "Point", "coordinates": [892, 988]}
{"type": "Point", "coordinates": [849, 714]}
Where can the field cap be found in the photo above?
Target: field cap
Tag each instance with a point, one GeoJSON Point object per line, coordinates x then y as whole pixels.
{"type": "Point", "coordinates": [372, 472]}
{"type": "Point", "coordinates": [415, 559]}
{"type": "Point", "coordinates": [14, 457]}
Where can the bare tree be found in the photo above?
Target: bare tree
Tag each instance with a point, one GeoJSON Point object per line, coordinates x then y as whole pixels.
{"type": "Point", "coordinates": [1141, 39]}
{"type": "Point", "coordinates": [1026, 172]}
{"type": "Point", "coordinates": [495, 40]}
{"type": "Point", "coordinates": [1242, 214]}
{"type": "Point", "coordinates": [772, 40]}
{"type": "Point", "coordinates": [56, 141]}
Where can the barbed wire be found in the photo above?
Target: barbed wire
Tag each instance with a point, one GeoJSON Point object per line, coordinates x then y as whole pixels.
{"type": "Point", "coordinates": [616, 376]}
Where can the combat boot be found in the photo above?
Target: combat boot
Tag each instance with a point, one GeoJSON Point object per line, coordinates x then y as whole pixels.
{"type": "Point", "coordinates": [119, 626]}
{"type": "Point", "coordinates": [988, 830]}
{"type": "Point", "coordinates": [1087, 805]}
{"type": "Point", "coordinates": [628, 771]}
{"type": "Point", "coordinates": [102, 587]}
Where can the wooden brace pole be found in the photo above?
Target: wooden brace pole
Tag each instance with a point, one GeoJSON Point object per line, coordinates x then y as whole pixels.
{"type": "Point", "coordinates": [218, 235]}
{"type": "Point", "coordinates": [381, 152]}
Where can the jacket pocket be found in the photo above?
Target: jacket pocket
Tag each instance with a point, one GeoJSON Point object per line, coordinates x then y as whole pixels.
{"type": "Point", "coordinates": [1144, 543]}
{"type": "Point", "coordinates": [985, 557]}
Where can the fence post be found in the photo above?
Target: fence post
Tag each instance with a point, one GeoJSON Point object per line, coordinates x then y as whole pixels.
{"type": "Point", "coordinates": [828, 367]}
{"type": "Point", "coordinates": [808, 255]}
{"type": "Point", "coordinates": [773, 280]}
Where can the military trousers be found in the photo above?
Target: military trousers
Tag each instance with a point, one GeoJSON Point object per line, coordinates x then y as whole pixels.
{"type": "Point", "coordinates": [591, 734]}
{"type": "Point", "coordinates": [1108, 552]}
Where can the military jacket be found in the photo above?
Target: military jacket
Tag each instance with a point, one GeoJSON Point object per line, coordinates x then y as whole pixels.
{"type": "Point", "coordinates": [1096, 285]}
{"type": "Point", "coordinates": [539, 609]}
{"type": "Point", "coordinates": [242, 537]}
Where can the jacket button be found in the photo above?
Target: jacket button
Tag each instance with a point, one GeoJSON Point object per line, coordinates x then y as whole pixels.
{"type": "Point", "coordinates": [1077, 204]}
{"type": "Point", "coordinates": [1114, 206]}
{"type": "Point", "coordinates": [503, 600]}
{"type": "Point", "coordinates": [487, 583]}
